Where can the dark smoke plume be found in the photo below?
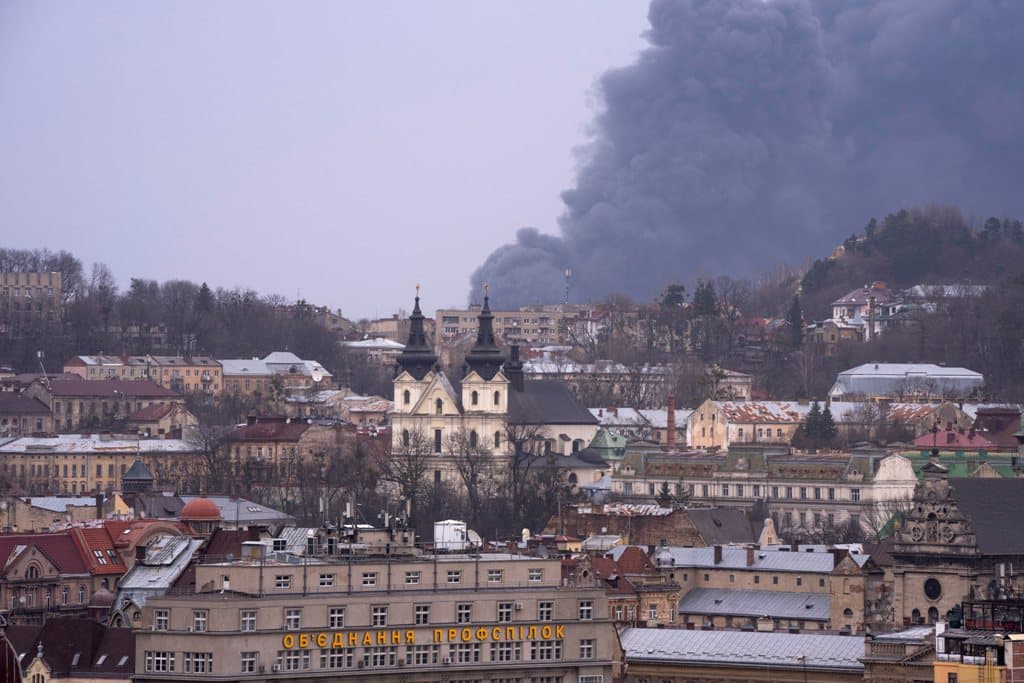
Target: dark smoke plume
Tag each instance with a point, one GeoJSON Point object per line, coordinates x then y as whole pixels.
{"type": "Point", "coordinates": [751, 133]}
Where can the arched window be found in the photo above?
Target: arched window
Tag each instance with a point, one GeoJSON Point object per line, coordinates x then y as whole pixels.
{"type": "Point", "coordinates": [32, 572]}
{"type": "Point", "coordinates": [472, 439]}
{"type": "Point", "coordinates": [474, 398]}
{"type": "Point", "coordinates": [438, 407]}
{"type": "Point", "coordinates": [847, 612]}
{"type": "Point", "coordinates": [572, 478]}
{"type": "Point", "coordinates": [577, 445]}
{"type": "Point", "coordinates": [405, 438]}
{"type": "Point", "coordinates": [915, 616]}
{"type": "Point", "coordinates": [497, 398]}
{"type": "Point", "coordinates": [933, 614]}
{"type": "Point", "coordinates": [497, 439]}
{"type": "Point", "coordinates": [406, 397]}
{"type": "Point", "coordinates": [81, 595]}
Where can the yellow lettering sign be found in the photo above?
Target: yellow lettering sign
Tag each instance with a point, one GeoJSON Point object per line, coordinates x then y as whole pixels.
{"type": "Point", "coordinates": [545, 632]}
{"type": "Point", "coordinates": [410, 637]}
{"type": "Point", "coordinates": [303, 640]}
{"type": "Point", "coordinates": [288, 642]}
{"type": "Point", "coordinates": [321, 640]}
{"type": "Point", "coordinates": [560, 631]}
{"type": "Point", "coordinates": [496, 633]}
{"type": "Point", "coordinates": [382, 638]}
{"type": "Point", "coordinates": [438, 635]}
{"type": "Point", "coordinates": [396, 637]}
{"type": "Point", "coordinates": [339, 640]}
{"type": "Point", "coordinates": [531, 633]}
{"type": "Point", "coordinates": [353, 639]}
{"type": "Point", "coordinates": [466, 634]}
{"type": "Point", "coordinates": [481, 634]}
{"type": "Point", "coordinates": [452, 634]}
{"type": "Point", "coordinates": [367, 638]}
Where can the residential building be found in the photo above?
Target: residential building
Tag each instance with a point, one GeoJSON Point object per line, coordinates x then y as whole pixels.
{"type": "Point", "coordinates": [28, 299]}
{"type": "Point", "coordinates": [904, 656]}
{"type": "Point", "coordinates": [495, 412]}
{"type": "Point", "coordinates": [167, 420]}
{"type": "Point", "coordinates": [645, 424]}
{"type": "Point", "coordinates": [719, 424]}
{"type": "Point", "coordinates": [75, 463]}
{"type": "Point", "coordinates": [82, 404]}
{"type": "Point", "coordinates": [657, 655]}
{"type": "Point", "coordinates": [529, 326]}
{"type": "Point", "coordinates": [805, 495]}
{"type": "Point", "coordinates": [280, 370]}
{"type": "Point", "coordinates": [638, 593]}
{"type": "Point", "coordinates": [275, 450]}
{"type": "Point", "coordinates": [341, 404]}
{"type": "Point", "coordinates": [182, 374]}
{"type": "Point", "coordinates": [376, 351]}
{"type": "Point", "coordinates": [653, 524]}
{"type": "Point", "coordinates": [22, 514]}
{"type": "Point", "coordinates": [871, 307]}
{"type": "Point", "coordinates": [395, 328]}
{"type": "Point", "coordinates": [403, 616]}
{"type": "Point", "coordinates": [23, 415]}
{"type": "Point", "coordinates": [905, 381]}
{"type": "Point", "coordinates": [981, 641]}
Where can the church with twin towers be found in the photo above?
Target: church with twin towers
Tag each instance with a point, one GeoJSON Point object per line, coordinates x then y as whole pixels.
{"type": "Point", "coordinates": [495, 410]}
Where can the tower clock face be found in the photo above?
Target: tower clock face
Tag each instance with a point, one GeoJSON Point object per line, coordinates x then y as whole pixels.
{"type": "Point", "coordinates": [932, 589]}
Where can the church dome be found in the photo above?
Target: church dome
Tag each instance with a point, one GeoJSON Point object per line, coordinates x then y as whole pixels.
{"type": "Point", "coordinates": [200, 510]}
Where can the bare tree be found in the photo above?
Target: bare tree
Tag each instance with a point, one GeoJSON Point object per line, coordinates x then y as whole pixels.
{"type": "Point", "coordinates": [524, 442]}
{"type": "Point", "coordinates": [883, 517]}
{"type": "Point", "coordinates": [406, 466]}
{"type": "Point", "coordinates": [476, 466]}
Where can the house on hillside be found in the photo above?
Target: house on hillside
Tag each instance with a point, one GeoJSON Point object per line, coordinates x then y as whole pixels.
{"type": "Point", "coordinates": [905, 382]}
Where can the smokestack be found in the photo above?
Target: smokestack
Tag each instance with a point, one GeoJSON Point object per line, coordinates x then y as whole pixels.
{"type": "Point", "coordinates": [140, 554]}
{"type": "Point", "coordinates": [99, 506]}
{"type": "Point", "coordinates": [871, 318]}
{"type": "Point", "coordinates": [670, 438]}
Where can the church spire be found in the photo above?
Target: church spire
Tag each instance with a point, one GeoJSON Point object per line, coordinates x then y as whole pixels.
{"type": "Point", "coordinates": [485, 358]}
{"type": "Point", "coordinates": [417, 358]}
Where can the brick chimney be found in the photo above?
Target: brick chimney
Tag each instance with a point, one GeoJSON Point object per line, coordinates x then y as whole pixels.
{"type": "Point", "coordinates": [750, 556]}
{"type": "Point", "coordinates": [670, 438]}
{"type": "Point", "coordinates": [718, 554]}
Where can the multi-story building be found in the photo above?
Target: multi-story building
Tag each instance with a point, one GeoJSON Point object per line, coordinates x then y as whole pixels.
{"type": "Point", "coordinates": [804, 494]}
{"type": "Point", "coordinates": [183, 374]}
{"type": "Point", "coordinates": [23, 415]}
{"type": "Point", "coordinates": [529, 326]}
{"type": "Point", "coordinates": [28, 299]}
{"type": "Point", "coordinates": [82, 404]}
{"type": "Point", "coordinates": [74, 463]}
{"type": "Point", "coordinates": [392, 614]}
{"type": "Point", "coordinates": [905, 382]}
{"type": "Point", "coordinates": [280, 370]}
{"type": "Point", "coordinates": [376, 351]}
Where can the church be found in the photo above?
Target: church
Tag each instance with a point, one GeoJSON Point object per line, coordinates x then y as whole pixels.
{"type": "Point", "coordinates": [495, 411]}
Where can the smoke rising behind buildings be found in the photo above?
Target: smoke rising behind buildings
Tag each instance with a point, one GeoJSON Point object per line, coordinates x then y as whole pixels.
{"type": "Point", "coordinates": [752, 133]}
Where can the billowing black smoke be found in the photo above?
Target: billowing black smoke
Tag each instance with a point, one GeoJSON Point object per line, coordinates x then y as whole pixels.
{"type": "Point", "coordinates": [751, 133]}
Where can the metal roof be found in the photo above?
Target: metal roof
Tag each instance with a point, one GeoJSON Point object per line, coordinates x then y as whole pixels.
{"type": "Point", "coordinates": [736, 558]}
{"type": "Point", "coordinates": [59, 503]}
{"type": "Point", "coordinates": [167, 557]}
{"type": "Point", "coordinates": [782, 650]}
{"type": "Point", "coordinates": [94, 443]}
{"type": "Point", "coordinates": [751, 603]}
{"type": "Point", "coordinates": [877, 379]}
{"type": "Point", "coordinates": [245, 511]}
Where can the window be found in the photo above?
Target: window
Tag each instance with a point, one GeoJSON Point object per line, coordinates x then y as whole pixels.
{"type": "Point", "coordinates": [831, 493]}
{"type": "Point", "coordinates": [454, 576]}
{"type": "Point", "coordinates": [465, 653]}
{"type": "Point", "coordinates": [545, 611]}
{"type": "Point", "coordinates": [422, 654]}
{"type": "Point", "coordinates": [951, 678]}
{"type": "Point", "coordinates": [757, 578]}
{"type": "Point", "coordinates": [438, 407]}
{"type": "Point", "coordinates": [161, 617]}
{"type": "Point", "coordinates": [494, 575]}
{"type": "Point", "coordinates": [474, 398]}
{"type": "Point", "coordinates": [535, 575]}
{"type": "Point", "coordinates": [506, 652]}
{"type": "Point", "coordinates": [598, 678]}
{"type": "Point", "coordinates": [437, 440]}
{"type": "Point", "coordinates": [336, 617]}
{"type": "Point", "coordinates": [586, 610]}
{"type": "Point", "coordinates": [422, 615]}
{"type": "Point", "coordinates": [778, 432]}
{"type": "Point", "coordinates": [379, 615]}
{"type": "Point", "coordinates": [159, 661]}
{"type": "Point", "coordinates": [803, 493]}
{"type": "Point", "coordinates": [505, 611]}
{"type": "Point", "coordinates": [198, 662]}
{"type": "Point", "coordinates": [293, 660]}
{"type": "Point", "coordinates": [463, 613]}
{"type": "Point", "coordinates": [855, 494]}
{"type": "Point", "coordinates": [775, 581]}
{"type": "Point", "coordinates": [199, 617]}
{"type": "Point", "coordinates": [369, 578]}
{"type": "Point", "coordinates": [799, 580]}
{"type": "Point", "coordinates": [652, 611]}
{"type": "Point", "coordinates": [732, 578]}
{"type": "Point", "coordinates": [250, 660]}
{"type": "Point", "coordinates": [587, 648]}
{"type": "Point", "coordinates": [545, 649]}
{"type": "Point", "coordinates": [789, 492]}
{"type": "Point", "coordinates": [293, 618]}
{"type": "Point", "coordinates": [739, 490]}
{"type": "Point", "coordinates": [326, 580]}
{"type": "Point", "coordinates": [412, 578]}
{"type": "Point", "coordinates": [757, 491]}
{"type": "Point", "coordinates": [336, 658]}
{"type": "Point", "coordinates": [405, 438]}
{"type": "Point", "coordinates": [725, 489]}
{"type": "Point", "coordinates": [497, 398]}
{"type": "Point", "coordinates": [497, 439]}
{"type": "Point", "coordinates": [821, 583]}
{"type": "Point", "coordinates": [283, 581]}
{"type": "Point", "coordinates": [406, 397]}
{"type": "Point", "coordinates": [473, 439]}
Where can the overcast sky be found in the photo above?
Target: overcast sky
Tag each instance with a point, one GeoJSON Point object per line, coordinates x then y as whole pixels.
{"type": "Point", "coordinates": [342, 150]}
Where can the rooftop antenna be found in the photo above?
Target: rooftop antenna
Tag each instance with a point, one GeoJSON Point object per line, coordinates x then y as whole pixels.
{"type": "Point", "coordinates": [568, 274]}
{"type": "Point", "coordinates": [39, 356]}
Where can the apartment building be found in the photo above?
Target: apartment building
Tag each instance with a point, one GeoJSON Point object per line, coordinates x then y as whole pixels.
{"type": "Point", "coordinates": [183, 374]}
{"type": "Point", "coordinates": [528, 326]}
{"type": "Point", "coordinates": [398, 617]}
{"type": "Point", "coordinates": [76, 404]}
{"type": "Point", "coordinates": [28, 299]}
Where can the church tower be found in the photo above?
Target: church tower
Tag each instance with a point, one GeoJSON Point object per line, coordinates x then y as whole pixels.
{"type": "Point", "coordinates": [485, 389]}
{"type": "Point", "coordinates": [417, 358]}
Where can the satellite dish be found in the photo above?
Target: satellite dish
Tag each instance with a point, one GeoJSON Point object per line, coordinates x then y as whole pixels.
{"type": "Point", "coordinates": [474, 539]}
{"type": "Point", "coordinates": [317, 375]}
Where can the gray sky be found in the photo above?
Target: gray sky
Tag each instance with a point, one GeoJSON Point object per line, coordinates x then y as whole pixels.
{"type": "Point", "coordinates": [347, 150]}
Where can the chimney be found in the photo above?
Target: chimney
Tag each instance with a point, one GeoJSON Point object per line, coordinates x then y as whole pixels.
{"type": "Point", "coordinates": [99, 506]}
{"type": "Point", "coordinates": [718, 554]}
{"type": "Point", "coordinates": [871, 318]}
{"type": "Point", "coordinates": [140, 554]}
{"type": "Point", "coordinates": [670, 438]}
{"type": "Point", "coordinates": [750, 556]}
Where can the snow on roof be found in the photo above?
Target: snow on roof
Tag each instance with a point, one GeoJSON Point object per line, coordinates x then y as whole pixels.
{"type": "Point", "coordinates": [375, 343]}
{"type": "Point", "coordinates": [736, 558]}
{"type": "Point", "coordinates": [93, 443]}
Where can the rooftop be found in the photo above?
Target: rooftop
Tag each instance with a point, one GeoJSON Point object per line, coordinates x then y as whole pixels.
{"type": "Point", "coordinates": [754, 603]}
{"type": "Point", "coordinates": [736, 558]}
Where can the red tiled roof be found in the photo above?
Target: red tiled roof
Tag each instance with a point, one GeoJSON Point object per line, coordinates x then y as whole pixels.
{"type": "Point", "coordinates": [99, 552]}
{"type": "Point", "coordinates": [633, 560]}
{"type": "Point", "coordinates": [269, 430]}
{"type": "Point", "coordinates": [60, 548]}
{"type": "Point", "coordinates": [150, 413]}
{"type": "Point", "coordinates": [128, 533]}
{"type": "Point", "coordinates": [62, 388]}
{"type": "Point", "coordinates": [954, 439]}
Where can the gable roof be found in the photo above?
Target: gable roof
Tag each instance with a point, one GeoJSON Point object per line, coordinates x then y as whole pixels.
{"type": "Point", "coordinates": [439, 380]}
{"type": "Point", "coordinates": [755, 603]}
{"type": "Point", "coordinates": [547, 402]}
{"type": "Point", "coordinates": [110, 388]}
{"type": "Point", "coordinates": [99, 551]}
{"type": "Point", "coordinates": [73, 645]}
{"type": "Point", "coordinates": [993, 506]}
{"type": "Point", "coordinates": [722, 525]}
{"type": "Point", "coordinates": [60, 548]}
{"type": "Point", "coordinates": [736, 558]}
{"type": "Point", "coordinates": [151, 413]}
{"type": "Point", "coordinates": [268, 429]}
{"type": "Point", "coordinates": [16, 404]}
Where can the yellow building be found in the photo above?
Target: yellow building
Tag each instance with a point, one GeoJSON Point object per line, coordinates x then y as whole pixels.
{"type": "Point", "coordinates": [183, 374]}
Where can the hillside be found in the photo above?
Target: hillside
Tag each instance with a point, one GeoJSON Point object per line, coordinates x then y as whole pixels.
{"type": "Point", "coordinates": [934, 245]}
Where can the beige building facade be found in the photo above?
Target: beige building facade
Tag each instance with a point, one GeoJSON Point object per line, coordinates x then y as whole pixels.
{"type": "Point", "coordinates": [183, 374]}
{"type": "Point", "coordinates": [492, 617]}
{"type": "Point", "coordinates": [28, 299]}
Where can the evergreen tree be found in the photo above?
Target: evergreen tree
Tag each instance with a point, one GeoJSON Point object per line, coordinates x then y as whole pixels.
{"type": "Point", "coordinates": [705, 303]}
{"type": "Point", "coordinates": [664, 497]}
{"type": "Point", "coordinates": [813, 425]}
{"type": "Point", "coordinates": [827, 426]}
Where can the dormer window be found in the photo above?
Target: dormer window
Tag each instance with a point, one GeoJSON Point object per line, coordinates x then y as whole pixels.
{"type": "Point", "coordinates": [438, 407]}
{"type": "Point", "coordinates": [474, 398]}
{"type": "Point", "coordinates": [406, 397]}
